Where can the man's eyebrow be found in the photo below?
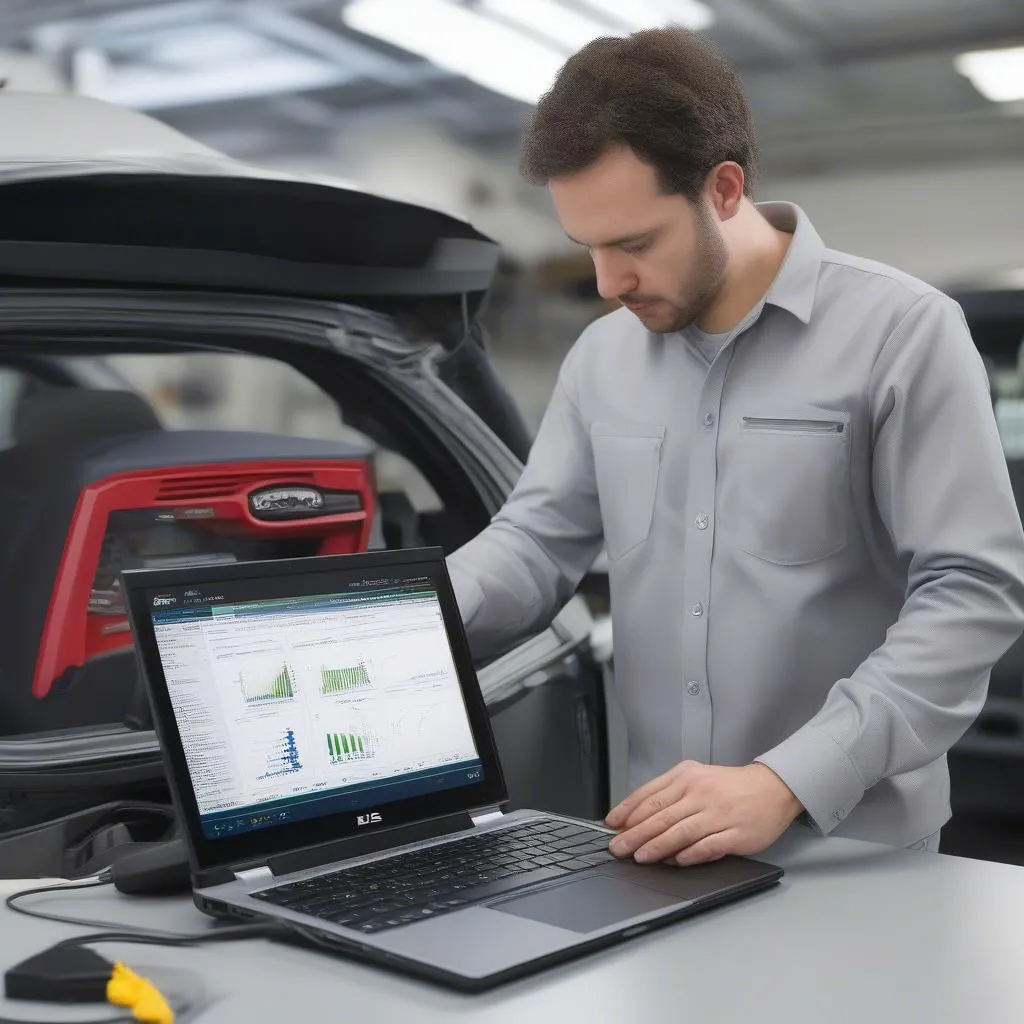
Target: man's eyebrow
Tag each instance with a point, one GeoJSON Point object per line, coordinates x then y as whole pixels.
{"type": "Point", "coordinates": [623, 240]}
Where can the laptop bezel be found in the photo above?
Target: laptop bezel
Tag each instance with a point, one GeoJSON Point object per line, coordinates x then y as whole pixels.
{"type": "Point", "coordinates": [257, 845]}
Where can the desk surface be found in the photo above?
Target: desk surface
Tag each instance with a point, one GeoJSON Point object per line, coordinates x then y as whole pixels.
{"type": "Point", "coordinates": [854, 933]}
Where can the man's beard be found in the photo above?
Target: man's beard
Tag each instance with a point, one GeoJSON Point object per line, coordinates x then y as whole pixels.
{"type": "Point", "coordinates": [695, 295]}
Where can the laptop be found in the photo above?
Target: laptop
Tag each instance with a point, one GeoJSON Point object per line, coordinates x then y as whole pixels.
{"type": "Point", "coordinates": [331, 757]}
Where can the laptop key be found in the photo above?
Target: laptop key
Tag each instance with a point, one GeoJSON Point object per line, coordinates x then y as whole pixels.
{"type": "Point", "coordinates": [574, 865]}
{"type": "Point", "coordinates": [379, 909]}
{"type": "Point", "coordinates": [583, 844]}
{"type": "Point", "coordinates": [569, 830]}
{"type": "Point", "coordinates": [449, 904]}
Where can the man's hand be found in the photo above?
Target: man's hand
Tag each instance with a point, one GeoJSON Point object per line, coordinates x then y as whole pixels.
{"type": "Point", "coordinates": [698, 812]}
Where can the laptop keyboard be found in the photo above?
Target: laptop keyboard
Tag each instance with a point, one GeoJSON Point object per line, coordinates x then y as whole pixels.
{"type": "Point", "coordinates": [427, 883]}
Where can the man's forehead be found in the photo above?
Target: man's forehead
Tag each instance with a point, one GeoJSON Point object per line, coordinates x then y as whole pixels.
{"type": "Point", "coordinates": [609, 178]}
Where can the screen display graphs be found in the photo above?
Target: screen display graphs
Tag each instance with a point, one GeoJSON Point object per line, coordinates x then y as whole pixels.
{"type": "Point", "coordinates": [301, 706]}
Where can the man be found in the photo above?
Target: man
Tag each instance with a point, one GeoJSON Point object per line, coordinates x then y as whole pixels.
{"type": "Point", "coordinates": [790, 457]}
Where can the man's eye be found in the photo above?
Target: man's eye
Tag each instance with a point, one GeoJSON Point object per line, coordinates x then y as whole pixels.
{"type": "Point", "coordinates": [635, 247]}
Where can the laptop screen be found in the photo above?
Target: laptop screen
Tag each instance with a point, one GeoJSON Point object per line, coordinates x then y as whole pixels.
{"type": "Point", "coordinates": [311, 696]}
{"type": "Point", "coordinates": [319, 702]}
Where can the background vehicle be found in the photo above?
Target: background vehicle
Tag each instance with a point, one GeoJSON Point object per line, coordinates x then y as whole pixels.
{"type": "Point", "coordinates": [987, 765]}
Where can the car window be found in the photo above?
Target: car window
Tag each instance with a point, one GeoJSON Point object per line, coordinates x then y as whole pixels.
{"type": "Point", "coordinates": [1007, 384]}
{"type": "Point", "coordinates": [238, 392]}
{"type": "Point", "coordinates": [1010, 419]}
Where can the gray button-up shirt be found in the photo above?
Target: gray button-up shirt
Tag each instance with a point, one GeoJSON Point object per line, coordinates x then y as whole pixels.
{"type": "Point", "coordinates": [815, 554]}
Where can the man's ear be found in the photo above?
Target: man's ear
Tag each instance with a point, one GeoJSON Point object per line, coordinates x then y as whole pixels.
{"type": "Point", "coordinates": [725, 189]}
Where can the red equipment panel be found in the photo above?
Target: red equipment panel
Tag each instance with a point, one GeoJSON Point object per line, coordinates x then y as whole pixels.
{"type": "Point", "coordinates": [214, 499]}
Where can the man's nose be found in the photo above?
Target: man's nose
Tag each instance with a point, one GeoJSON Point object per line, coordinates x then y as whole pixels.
{"type": "Point", "coordinates": [614, 277]}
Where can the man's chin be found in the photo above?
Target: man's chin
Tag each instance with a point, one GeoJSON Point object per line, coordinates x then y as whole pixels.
{"type": "Point", "coordinates": [658, 321]}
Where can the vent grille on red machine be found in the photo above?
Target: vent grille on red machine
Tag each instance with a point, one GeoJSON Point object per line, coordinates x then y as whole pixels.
{"type": "Point", "coordinates": [218, 485]}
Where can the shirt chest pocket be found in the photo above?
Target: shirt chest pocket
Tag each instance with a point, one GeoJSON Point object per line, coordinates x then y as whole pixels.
{"type": "Point", "coordinates": [786, 489]}
{"type": "Point", "coordinates": [627, 462]}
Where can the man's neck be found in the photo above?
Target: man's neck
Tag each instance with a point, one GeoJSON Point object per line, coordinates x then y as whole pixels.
{"type": "Point", "coordinates": [757, 250]}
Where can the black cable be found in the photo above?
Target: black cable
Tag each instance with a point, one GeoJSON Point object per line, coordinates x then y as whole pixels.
{"type": "Point", "coordinates": [103, 878]}
{"type": "Point", "coordinates": [143, 938]}
{"type": "Point", "coordinates": [118, 928]}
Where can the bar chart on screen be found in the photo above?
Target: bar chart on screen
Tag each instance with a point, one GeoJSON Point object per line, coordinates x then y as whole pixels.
{"type": "Point", "coordinates": [343, 679]}
{"type": "Point", "coordinates": [276, 682]}
{"type": "Point", "coordinates": [346, 747]}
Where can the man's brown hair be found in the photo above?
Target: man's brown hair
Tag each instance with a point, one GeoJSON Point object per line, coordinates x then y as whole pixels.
{"type": "Point", "coordinates": [666, 93]}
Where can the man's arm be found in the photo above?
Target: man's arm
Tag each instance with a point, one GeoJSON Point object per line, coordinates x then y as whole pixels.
{"type": "Point", "coordinates": [942, 489]}
{"type": "Point", "coordinates": [513, 577]}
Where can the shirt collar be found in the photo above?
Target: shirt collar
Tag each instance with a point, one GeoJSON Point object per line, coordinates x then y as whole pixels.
{"type": "Point", "coordinates": [797, 280]}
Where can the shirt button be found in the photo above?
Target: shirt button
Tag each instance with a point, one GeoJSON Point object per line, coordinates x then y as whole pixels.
{"type": "Point", "coordinates": [838, 815]}
{"type": "Point", "coordinates": [693, 687]}
{"type": "Point", "coordinates": [697, 610]}
{"type": "Point", "coordinates": [709, 419]}
{"type": "Point", "coordinates": [702, 521]}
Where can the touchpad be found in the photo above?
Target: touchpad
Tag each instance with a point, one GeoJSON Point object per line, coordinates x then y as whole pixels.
{"type": "Point", "coordinates": [589, 904]}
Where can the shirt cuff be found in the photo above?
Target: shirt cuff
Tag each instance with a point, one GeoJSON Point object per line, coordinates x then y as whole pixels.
{"type": "Point", "coordinates": [819, 773]}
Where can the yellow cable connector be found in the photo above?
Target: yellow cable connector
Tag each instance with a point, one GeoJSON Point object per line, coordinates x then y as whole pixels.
{"type": "Point", "coordinates": [140, 995]}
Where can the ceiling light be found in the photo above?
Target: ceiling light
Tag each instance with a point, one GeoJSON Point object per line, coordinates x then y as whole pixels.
{"type": "Point", "coordinates": [462, 41]}
{"type": "Point", "coordinates": [149, 88]}
{"type": "Point", "coordinates": [566, 28]}
{"type": "Point", "coordinates": [637, 14]}
{"type": "Point", "coordinates": [997, 74]}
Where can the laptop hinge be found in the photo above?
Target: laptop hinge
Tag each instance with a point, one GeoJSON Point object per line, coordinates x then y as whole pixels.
{"type": "Point", "coordinates": [260, 874]}
{"type": "Point", "coordinates": [486, 814]}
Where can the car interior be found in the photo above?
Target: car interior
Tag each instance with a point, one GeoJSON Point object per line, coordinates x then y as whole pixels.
{"type": "Point", "coordinates": [96, 478]}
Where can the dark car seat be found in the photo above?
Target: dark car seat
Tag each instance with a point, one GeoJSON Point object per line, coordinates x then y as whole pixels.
{"type": "Point", "coordinates": [56, 415]}
{"type": "Point", "coordinates": [47, 424]}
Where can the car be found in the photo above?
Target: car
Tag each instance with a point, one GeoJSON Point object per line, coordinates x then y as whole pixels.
{"type": "Point", "coordinates": [124, 245]}
{"type": "Point", "coordinates": [987, 764]}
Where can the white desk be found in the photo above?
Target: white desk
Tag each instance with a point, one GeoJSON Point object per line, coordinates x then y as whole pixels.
{"type": "Point", "coordinates": [854, 933]}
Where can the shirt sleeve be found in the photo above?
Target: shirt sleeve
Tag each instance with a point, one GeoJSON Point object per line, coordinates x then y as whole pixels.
{"type": "Point", "coordinates": [942, 489]}
{"type": "Point", "coordinates": [513, 577]}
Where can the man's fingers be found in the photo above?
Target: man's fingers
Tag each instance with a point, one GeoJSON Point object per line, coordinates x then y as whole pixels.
{"type": "Point", "coordinates": [711, 847]}
{"type": "Point", "coordinates": [632, 839]}
{"type": "Point", "coordinates": [657, 803]}
{"type": "Point", "coordinates": [617, 815]}
{"type": "Point", "coordinates": [688, 830]}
